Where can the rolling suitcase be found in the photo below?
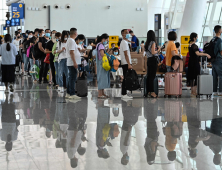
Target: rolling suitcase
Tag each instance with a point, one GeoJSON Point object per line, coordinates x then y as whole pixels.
{"type": "Point", "coordinates": [156, 86]}
{"type": "Point", "coordinates": [81, 86]}
{"type": "Point", "coordinates": [204, 82]}
{"type": "Point", "coordinates": [173, 84]}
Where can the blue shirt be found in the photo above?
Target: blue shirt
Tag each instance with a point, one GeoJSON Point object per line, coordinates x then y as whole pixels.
{"type": "Point", "coordinates": [134, 39]}
{"type": "Point", "coordinates": [218, 47]}
{"type": "Point", "coordinates": [8, 57]}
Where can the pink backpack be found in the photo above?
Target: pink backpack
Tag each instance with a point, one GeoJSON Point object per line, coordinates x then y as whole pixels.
{"type": "Point", "coordinates": [28, 51]}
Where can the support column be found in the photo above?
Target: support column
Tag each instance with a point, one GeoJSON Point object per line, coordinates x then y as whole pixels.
{"type": "Point", "coordinates": [154, 7]}
{"type": "Point", "coordinates": [193, 18]}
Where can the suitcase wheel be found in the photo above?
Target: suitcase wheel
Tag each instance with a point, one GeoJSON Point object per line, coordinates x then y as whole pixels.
{"type": "Point", "coordinates": [165, 96]}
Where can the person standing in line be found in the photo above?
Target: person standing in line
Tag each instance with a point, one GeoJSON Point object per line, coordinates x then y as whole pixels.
{"type": "Point", "coordinates": [194, 65]}
{"type": "Point", "coordinates": [48, 50]}
{"type": "Point", "coordinates": [152, 55]}
{"type": "Point", "coordinates": [25, 45]}
{"type": "Point", "coordinates": [217, 69]}
{"type": "Point", "coordinates": [16, 43]}
{"type": "Point", "coordinates": [103, 76]}
{"type": "Point", "coordinates": [62, 60]}
{"type": "Point", "coordinates": [73, 60]}
{"type": "Point", "coordinates": [171, 49]}
{"type": "Point", "coordinates": [56, 56]}
{"type": "Point", "coordinates": [8, 51]}
{"type": "Point", "coordinates": [41, 46]}
{"type": "Point", "coordinates": [125, 60]}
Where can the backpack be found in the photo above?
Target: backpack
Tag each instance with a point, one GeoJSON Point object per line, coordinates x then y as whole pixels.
{"type": "Point", "coordinates": [131, 80]}
{"type": "Point", "coordinates": [114, 63]}
{"type": "Point", "coordinates": [137, 42]}
{"type": "Point", "coordinates": [209, 49]}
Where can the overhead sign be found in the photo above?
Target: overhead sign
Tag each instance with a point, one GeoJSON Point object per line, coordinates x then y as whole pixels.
{"type": "Point", "coordinates": [15, 22]}
{"type": "Point", "coordinates": [8, 23]}
{"type": "Point", "coordinates": [17, 10]}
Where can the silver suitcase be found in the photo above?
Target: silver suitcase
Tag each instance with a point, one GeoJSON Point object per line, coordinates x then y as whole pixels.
{"type": "Point", "coordinates": [204, 83]}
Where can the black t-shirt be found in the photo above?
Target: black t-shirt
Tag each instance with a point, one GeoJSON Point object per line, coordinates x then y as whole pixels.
{"type": "Point", "coordinates": [43, 40]}
{"type": "Point", "coordinates": [49, 46]}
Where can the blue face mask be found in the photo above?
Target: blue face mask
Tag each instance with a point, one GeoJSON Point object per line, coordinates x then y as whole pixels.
{"type": "Point", "coordinates": [105, 42]}
{"type": "Point", "coordinates": [80, 42]}
{"type": "Point", "coordinates": [127, 158]}
{"type": "Point", "coordinates": [127, 36]}
{"type": "Point", "coordinates": [38, 35]}
{"type": "Point", "coordinates": [47, 34]}
{"type": "Point", "coordinates": [197, 40]}
{"type": "Point", "coordinates": [115, 53]}
{"type": "Point", "coordinates": [57, 40]}
{"type": "Point", "coordinates": [163, 52]}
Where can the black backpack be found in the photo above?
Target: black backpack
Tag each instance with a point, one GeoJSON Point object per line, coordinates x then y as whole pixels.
{"type": "Point", "coordinates": [131, 80]}
{"type": "Point", "coordinates": [137, 42]}
{"type": "Point", "coordinates": [209, 49]}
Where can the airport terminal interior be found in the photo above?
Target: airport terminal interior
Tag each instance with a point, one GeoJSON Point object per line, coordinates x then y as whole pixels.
{"type": "Point", "coordinates": [110, 84]}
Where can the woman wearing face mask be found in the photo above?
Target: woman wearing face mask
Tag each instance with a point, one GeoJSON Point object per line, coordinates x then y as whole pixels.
{"type": "Point", "coordinates": [48, 50]}
{"type": "Point", "coordinates": [79, 41]}
{"type": "Point", "coordinates": [62, 60]}
{"type": "Point", "coordinates": [193, 65]}
{"type": "Point", "coordinates": [103, 76]}
{"type": "Point", "coordinates": [56, 56]}
{"type": "Point", "coordinates": [119, 72]}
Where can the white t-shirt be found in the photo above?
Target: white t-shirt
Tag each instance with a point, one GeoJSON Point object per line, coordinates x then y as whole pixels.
{"type": "Point", "coordinates": [80, 47]}
{"type": "Point", "coordinates": [124, 47]}
{"type": "Point", "coordinates": [16, 43]}
{"type": "Point", "coordinates": [71, 45]}
{"type": "Point", "coordinates": [62, 55]}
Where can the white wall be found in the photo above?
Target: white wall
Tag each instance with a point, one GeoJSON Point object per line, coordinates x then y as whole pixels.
{"type": "Point", "coordinates": [90, 17]}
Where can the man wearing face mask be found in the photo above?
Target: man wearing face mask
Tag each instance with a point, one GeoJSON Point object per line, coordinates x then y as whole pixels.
{"type": "Point", "coordinates": [41, 45]}
{"type": "Point", "coordinates": [25, 45]}
{"type": "Point", "coordinates": [48, 50]}
{"type": "Point", "coordinates": [125, 60]}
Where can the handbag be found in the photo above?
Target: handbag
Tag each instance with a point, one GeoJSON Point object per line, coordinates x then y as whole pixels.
{"type": "Point", "coordinates": [47, 58]}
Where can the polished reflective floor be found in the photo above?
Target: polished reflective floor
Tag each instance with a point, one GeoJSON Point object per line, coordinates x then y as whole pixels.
{"type": "Point", "coordinates": [40, 129]}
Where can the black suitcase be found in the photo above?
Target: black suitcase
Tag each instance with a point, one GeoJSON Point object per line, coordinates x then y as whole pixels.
{"type": "Point", "coordinates": [156, 86]}
{"type": "Point", "coordinates": [81, 86]}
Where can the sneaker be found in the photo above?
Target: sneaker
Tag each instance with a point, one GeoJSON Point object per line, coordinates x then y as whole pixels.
{"type": "Point", "coordinates": [74, 101]}
{"type": "Point", "coordinates": [67, 95]}
{"type": "Point", "coordinates": [215, 94]}
{"type": "Point", "coordinates": [127, 97]}
{"type": "Point", "coordinates": [6, 91]}
{"type": "Point", "coordinates": [74, 97]}
{"type": "Point", "coordinates": [11, 88]}
{"type": "Point", "coordinates": [61, 89]}
{"type": "Point", "coordinates": [219, 94]}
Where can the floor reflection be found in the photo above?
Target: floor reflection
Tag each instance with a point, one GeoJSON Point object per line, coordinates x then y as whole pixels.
{"type": "Point", "coordinates": [40, 129]}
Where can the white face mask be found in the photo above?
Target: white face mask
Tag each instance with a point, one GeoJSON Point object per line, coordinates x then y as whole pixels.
{"type": "Point", "coordinates": [65, 39]}
{"type": "Point", "coordinates": [43, 34]}
{"type": "Point", "coordinates": [30, 36]}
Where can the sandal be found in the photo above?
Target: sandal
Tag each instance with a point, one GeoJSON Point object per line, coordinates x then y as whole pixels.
{"type": "Point", "coordinates": [102, 97]}
{"type": "Point", "coordinates": [50, 83]}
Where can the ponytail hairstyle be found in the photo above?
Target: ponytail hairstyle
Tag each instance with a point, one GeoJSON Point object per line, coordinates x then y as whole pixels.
{"type": "Point", "coordinates": [103, 36]}
{"type": "Point", "coordinates": [192, 36]}
{"type": "Point", "coordinates": [8, 40]}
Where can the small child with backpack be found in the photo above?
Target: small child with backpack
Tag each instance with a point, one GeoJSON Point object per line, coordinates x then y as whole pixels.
{"type": "Point", "coordinates": [118, 72]}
